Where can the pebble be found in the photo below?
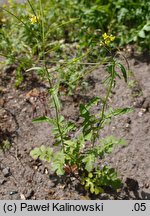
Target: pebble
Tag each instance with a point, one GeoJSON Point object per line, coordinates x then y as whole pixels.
{"type": "Point", "coordinates": [113, 128]}
{"type": "Point", "coordinates": [140, 114]}
{"type": "Point", "coordinates": [127, 125]}
{"type": "Point", "coordinates": [141, 185]}
{"type": "Point", "coordinates": [46, 171]}
{"type": "Point", "coordinates": [24, 109]}
{"type": "Point", "coordinates": [146, 185]}
{"type": "Point", "coordinates": [143, 110]}
{"type": "Point", "coordinates": [6, 172]}
{"type": "Point", "coordinates": [35, 167]}
{"type": "Point", "coordinates": [22, 196]}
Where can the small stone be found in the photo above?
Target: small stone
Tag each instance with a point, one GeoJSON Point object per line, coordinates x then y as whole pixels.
{"type": "Point", "coordinates": [45, 170]}
{"type": "Point", "coordinates": [24, 109]}
{"type": "Point", "coordinates": [127, 125]}
{"type": "Point", "coordinates": [141, 185]}
{"type": "Point", "coordinates": [22, 196]}
{"type": "Point", "coordinates": [35, 167]}
{"type": "Point", "coordinates": [113, 128]}
{"type": "Point", "coordinates": [140, 114]}
{"type": "Point", "coordinates": [6, 172]}
{"type": "Point", "coordinates": [143, 110]}
{"type": "Point", "coordinates": [146, 185]}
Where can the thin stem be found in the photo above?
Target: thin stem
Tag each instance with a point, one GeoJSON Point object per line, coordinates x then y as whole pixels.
{"type": "Point", "coordinates": [47, 73]}
{"type": "Point", "coordinates": [15, 17]}
{"type": "Point", "coordinates": [74, 60]}
{"type": "Point", "coordinates": [90, 70]}
{"type": "Point", "coordinates": [32, 8]}
{"type": "Point", "coordinates": [108, 93]}
{"type": "Point", "coordinates": [79, 63]}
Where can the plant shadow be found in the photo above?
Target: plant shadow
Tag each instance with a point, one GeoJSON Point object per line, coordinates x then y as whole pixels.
{"type": "Point", "coordinates": [129, 191]}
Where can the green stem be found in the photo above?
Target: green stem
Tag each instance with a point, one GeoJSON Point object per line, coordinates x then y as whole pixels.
{"type": "Point", "coordinates": [32, 8]}
{"type": "Point", "coordinates": [15, 17]}
{"type": "Point", "coordinates": [90, 70]}
{"type": "Point", "coordinates": [47, 73]}
{"type": "Point", "coordinates": [108, 93]}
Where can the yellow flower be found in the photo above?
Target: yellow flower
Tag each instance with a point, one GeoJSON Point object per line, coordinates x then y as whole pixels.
{"type": "Point", "coordinates": [108, 38]}
{"type": "Point", "coordinates": [33, 19]}
{"type": "Point", "coordinates": [3, 20]}
{"type": "Point", "coordinates": [105, 36]}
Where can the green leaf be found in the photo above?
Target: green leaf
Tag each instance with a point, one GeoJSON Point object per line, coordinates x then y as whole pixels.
{"type": "Point", "coordinates": [70, 126]}
{"type": "Point", "coordinates": [89, 160]}
{"type": "Point", "coordinates": [88, 136]}
{"type": "Point", "coordinates": [46, 153]}
{"type": "Point", "coordinates": [123, 70]}
{"type": "Point", "coordinates": [43, 119]}
{"type": "Point", "coordinates": [89, 184]}
{"type": "Point", "coordinates": [119, 111]}
{"type": "Point", "coordinates": [83, 111]}
{"type": "Point", "coordinates": [56, 101]}
{"type": "Point", "coordinates": [98, 190]}
{"type": "Point", "coordinates": [5, 145]}
{"type": "Point", "coordinates": [90, 175]}
{"type": "Point", "coordinates": [108, 143]}
{"type": "Point", "coordinates": [35, 153]}
{"type": "Point", "coordinates": [43, 153]}
{"type": "Point", "coordinates": [58, 163]}
{"type": "Point", "coordinates": [141, 33]}
{"type": "Point", "coordinates": [146, 27]}
{"type": "Point", "coordinates": [92, 102]}
{"type": "Point", "coordinates": [92, 189]}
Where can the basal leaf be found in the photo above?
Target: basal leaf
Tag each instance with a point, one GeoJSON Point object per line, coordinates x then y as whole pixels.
{"type": "Point", "coordinates": [98, 190]}
{"type": "Point", "coordinates": [58, 163]}
{"type": "Point", "coordinates": [43, 153]}
{"type": "Point", "coordinates": [46, 153]}
{"type": "Point", "coordinates": [89, 162]}
{"type": "Point", "coordinates": [35, 153]}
